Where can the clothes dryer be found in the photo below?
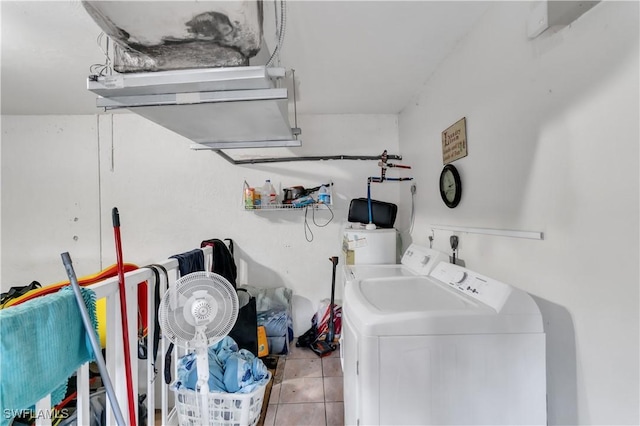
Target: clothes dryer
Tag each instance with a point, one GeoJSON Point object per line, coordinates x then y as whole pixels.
{"type": "Point", "coordinates": [453, 347]}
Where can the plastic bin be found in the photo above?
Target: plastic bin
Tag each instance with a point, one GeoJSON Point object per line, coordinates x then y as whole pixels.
{"type": "Point", "coordinates": [225, 409]}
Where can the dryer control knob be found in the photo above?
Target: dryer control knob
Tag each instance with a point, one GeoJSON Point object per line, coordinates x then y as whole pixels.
{"type": "Point", "coordinates": [458, 277]}
{"type": "Point", "coordinates": [425, 260]}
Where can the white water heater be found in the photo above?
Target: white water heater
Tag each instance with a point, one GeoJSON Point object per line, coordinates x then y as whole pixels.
{"type": "Point", "coordinates": [370, 246]}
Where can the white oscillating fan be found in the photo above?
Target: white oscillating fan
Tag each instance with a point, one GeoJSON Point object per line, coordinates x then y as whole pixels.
{"type": "Point", "coordinates": [198, 311]}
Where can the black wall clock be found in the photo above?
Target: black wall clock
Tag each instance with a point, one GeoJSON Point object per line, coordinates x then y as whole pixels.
{"type": "Point", "coordinates": [450, 186]}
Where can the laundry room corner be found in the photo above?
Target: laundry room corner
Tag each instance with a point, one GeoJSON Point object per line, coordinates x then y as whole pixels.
{"type": "Point", "coordinates": [542, 158]}
{"type": "Point", "coordinates": [472, 167]}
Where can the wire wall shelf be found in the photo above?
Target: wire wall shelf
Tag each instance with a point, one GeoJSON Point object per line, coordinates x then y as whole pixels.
{"type": "Point", "coordinates": [287, 207]}
{"type": "Point", "coordinates": [312, 199]}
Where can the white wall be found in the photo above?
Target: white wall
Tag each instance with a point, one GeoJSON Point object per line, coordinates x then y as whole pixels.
{"type": "Point", "coordinates": [50, 197]}
{"type": "Point", "coordinates": [553, 133]}
{"type": "Point", "coordinates": [59, 168]}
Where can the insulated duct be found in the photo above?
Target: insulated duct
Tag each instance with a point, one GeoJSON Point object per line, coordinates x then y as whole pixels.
{"type": "Point", "coordinates": [171, 35]}
{"type": "Point", "coordinates": [185, 66]}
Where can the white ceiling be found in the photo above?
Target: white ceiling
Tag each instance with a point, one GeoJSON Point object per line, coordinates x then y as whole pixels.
{"type": "Point", "coordinates": [349, 56]}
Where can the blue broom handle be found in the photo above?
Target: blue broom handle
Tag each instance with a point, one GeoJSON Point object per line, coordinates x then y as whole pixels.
{"type": "Point", "coordinates": [66, 260]}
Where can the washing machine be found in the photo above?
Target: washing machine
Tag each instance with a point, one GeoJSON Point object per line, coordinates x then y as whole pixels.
{"type": "Point", "coordinates": [449, 348]}
{"type": "Point", "coordinates": [416, 261]}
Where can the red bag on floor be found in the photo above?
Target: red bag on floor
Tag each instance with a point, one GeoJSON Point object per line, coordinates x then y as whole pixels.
{"type": "Point", "coordinates": [322, 326]}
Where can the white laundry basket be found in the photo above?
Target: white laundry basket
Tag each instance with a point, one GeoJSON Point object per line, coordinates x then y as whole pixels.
{"type": "Point", "coordinates": [225, 409]}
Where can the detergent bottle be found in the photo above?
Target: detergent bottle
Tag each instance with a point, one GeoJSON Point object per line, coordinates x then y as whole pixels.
{"type": "Point", "coordinates": [268, 194]}
{"type": "Point", "coordinates": [323, 195]}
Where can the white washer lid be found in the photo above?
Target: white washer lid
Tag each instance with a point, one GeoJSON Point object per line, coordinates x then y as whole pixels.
{"type": "Point", "coordinates": [361, 272]}
{"type": "Point", "coordinates": [417, 296]}
{"type": "Point", "coordinates": [416, 306]}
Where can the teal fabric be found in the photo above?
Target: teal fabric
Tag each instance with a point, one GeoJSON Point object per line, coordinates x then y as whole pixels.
{"type": "Point", "coordinates": [42, 343]}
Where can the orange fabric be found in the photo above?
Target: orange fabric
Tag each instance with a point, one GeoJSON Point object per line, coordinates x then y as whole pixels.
{"type": "Point", "coordinates": [109, 272]}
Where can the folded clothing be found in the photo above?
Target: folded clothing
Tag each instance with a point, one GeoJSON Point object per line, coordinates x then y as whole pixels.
{"type": "Point", "coordinates": [43, 342]}
{"type": "Point", "coordinates": [275, 314]}
{"type": "Point", "coordinates": [231, 370]}
{"type": "Point", "coordinates": [278, 326]}
{"type": "Point", "coordinates": [276, 322]}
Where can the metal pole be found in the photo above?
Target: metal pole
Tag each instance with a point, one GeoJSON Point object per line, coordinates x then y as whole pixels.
{"type": "Point", "coordinates": [331, 332]}
{"type": "Point", "coordinates": [66, 260]}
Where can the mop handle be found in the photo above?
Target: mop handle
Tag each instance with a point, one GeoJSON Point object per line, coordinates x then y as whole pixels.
{"type": "Point", "coordinates": [333, 260]}
{"type": "Point", "coordinates": [331, 332]}
{"type": "Point", "coordinates": [97, 352]}
{"type": "Point", "coordinates": [123, 316]}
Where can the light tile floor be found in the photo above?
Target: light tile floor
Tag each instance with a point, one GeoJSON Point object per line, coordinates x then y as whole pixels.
{"type": "Point", "coordinates": [307, 390]}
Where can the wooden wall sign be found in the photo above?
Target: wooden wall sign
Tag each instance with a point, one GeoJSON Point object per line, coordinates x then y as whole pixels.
{"type": "Point", "coordinates": [454, 142]}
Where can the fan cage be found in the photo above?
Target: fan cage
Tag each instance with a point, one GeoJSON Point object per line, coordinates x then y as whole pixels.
{"type": "Point", "coordinates": [171, 311]}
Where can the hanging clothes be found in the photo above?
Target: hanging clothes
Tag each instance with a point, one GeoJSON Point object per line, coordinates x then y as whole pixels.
{"type": "Point", "coordinates": [191, 261]}
{"type": "Point", "coordinates": [43, 342]}
{"type": "Point", "coordinates": [223, 263]}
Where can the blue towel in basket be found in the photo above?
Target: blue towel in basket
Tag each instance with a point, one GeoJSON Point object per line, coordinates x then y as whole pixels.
{"type": "Point", "coordinates": [244, 372]}
{"type": "Point", "coordinates": [42, 342]}
{"type": "Point", "coordinates": [230, 370]}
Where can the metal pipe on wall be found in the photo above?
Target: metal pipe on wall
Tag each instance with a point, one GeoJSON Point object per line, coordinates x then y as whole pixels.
{"type": "Point", "coordinates": [303, 158]}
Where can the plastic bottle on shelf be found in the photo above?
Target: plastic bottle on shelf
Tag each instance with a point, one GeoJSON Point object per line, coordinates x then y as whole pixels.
{"type": "Point", "coordinates": [249, 196]}
{"type": "Point", "coordinates": [323, 195]}
{"type": "Point", "coordinates": [257, 198]}
{"type": "Point", "coordinates": [268, 194]}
